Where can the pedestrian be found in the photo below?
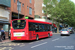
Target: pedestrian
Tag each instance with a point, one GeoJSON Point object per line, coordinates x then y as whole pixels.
{"type": "Point", "coordinates": [9, 33]}
{"type": "Point", "coordinates": [3, 34]}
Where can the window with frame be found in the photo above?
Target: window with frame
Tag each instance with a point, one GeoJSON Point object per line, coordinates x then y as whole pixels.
{"type": "Point", "coordinates": [45, 27]}
{"type": "Point", "coordinates": [23, 5]}
{"type": "Point", "coordinates": [39, 27]}
{"type": "Point", "coordinates": [18, 5]}
{"type": "Point", "coordinates": [30, 10]}
{"type": "Point", "coordinates": [50, 27]}
{"type": "Point", "coordinates": [6, 27]}
{"type": "Point", "coordinates": [27, 7]}
{"type": "Point", "coordinates": [14, 1]}
{"type": "Point", "coordinates": [32, 26]}
{"type": "Point", "coordinates": [19, 25]}
{"type": "Point", "coordinates": [30, 1]}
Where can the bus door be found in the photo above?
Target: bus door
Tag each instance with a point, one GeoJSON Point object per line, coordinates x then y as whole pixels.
{"type": "Point", "coordinates": [31, 30]}
{"type": "Point", "coordinates": [31, 34]}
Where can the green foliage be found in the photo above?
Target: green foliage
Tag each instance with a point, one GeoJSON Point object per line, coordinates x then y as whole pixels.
{"type": "Point", "coordinates": [64, 10]}
{"type": "Point", "coordinates": [37, 16]}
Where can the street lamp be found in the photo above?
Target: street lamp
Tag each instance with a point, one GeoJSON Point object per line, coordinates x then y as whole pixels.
{"type": "Point", "coordinates": [18, 9]}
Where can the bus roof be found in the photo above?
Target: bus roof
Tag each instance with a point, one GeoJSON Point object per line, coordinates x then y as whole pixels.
{"type": "Point", "coordinates": [34, 21]}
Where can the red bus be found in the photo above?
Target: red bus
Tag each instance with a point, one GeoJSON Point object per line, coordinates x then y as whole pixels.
{"type": "Point", "coordinates": [26, 29]}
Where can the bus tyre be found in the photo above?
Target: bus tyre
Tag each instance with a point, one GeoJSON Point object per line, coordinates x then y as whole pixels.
{"type": "Point", "coordinates": [37, 38]}
{"type": "Point", "coordinates": [48, 35]}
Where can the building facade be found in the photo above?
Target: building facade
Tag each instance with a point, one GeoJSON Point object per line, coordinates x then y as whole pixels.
{"type": "Point", "coordinates": [38, 8]}
{"type": "Point", "coordinates": [39, 4]}
{"type": "Point", "coordinates": [25, 8]}
{"type": "Point", "coordinates": [9, 11]}
{"type": "Point", "coordinates": [4, 15]}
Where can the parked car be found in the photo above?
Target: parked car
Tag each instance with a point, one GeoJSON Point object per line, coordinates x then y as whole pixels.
{"type": "Point", "coordinates": [71, 30]}
{"type": "Point", "coordinates": [65, 32]}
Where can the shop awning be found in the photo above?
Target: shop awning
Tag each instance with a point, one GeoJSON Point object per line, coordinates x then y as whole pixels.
{"type": "Point", "coordinates": [60, 25]}
{"type": "Point", "coordinates": [54, 25]}
{"type": "Point", "coordinates": [2, 22]}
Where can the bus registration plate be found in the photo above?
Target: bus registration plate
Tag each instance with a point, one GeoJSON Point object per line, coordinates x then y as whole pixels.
{"type": "Point", "coordinates": [19, 37]}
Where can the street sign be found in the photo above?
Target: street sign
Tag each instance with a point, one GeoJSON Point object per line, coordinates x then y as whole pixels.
{"type": "Point", "coordinates": [18, 20]}
{"type": "Point", "coordinates": [26, 17]}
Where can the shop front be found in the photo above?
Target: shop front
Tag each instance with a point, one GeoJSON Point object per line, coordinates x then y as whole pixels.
{"type": "Point", "coordinates": [5, 26]}
{"type": "Point", "coordinates": [15, 16]}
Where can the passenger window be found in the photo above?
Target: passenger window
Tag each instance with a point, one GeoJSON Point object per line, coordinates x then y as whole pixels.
{"type": "Point", "coordinates": [36, 27]}
{"type": "Point", "coordinates": [31, 27]}
{"type": "Point", "coordinates": [40, 28]}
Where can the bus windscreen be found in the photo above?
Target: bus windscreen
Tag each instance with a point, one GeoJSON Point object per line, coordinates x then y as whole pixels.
{"type": "Point", "coordinates": [19, 24]}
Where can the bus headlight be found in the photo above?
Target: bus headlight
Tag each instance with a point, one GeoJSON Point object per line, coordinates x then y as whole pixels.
{"type": "Point", "coordinates": [11, 27]}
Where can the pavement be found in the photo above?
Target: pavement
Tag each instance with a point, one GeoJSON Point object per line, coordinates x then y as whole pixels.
{"type": "Point", "coordinates": [7, 40]}
{"type": "Point", "coordinates": [56, 42]}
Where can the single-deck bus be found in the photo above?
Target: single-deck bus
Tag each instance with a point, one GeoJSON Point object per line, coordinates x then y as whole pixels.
{"type": "Point", "coordinates": [26, 29]}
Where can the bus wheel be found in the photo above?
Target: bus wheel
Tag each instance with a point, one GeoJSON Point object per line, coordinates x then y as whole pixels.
{"type": "Point", "coordinates": [37, 38]}
{"type": "Point", "coordinates": [48, 35]}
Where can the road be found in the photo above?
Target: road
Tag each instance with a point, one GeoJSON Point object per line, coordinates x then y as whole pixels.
{"type": "Point", "coordinates": [56, 42]}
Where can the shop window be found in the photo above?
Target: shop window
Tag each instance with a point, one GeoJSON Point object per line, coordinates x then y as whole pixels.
{"type": "Point", "coordinates": [5, 28]}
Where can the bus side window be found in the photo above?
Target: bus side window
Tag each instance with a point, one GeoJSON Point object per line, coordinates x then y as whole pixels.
{"type": "Point", "coordinates": [36, 27]}
{"type": "Point", "coordinates": [50, 28]}
{"type": "Point", "coordinates": [31, 27]}
{"type": "Point", "coordinates": [40, 28]}
{"type": "Point", "coordinates": [43, 27]}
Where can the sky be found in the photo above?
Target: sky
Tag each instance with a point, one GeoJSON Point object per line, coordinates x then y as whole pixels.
{"type": "Point", "coordinates": [73, 1]}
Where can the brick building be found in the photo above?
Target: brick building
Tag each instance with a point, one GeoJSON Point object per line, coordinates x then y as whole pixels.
{"type": "Point", "coordinates": [38, 6]}
{"type": "Point", "coordinates": [9, 10]}
{"type": "Point", "coordinates": [26, 8]}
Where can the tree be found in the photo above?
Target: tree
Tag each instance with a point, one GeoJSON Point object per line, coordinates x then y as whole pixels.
{"type": "Point", "coordinates": [37, 16]}
{"type": "Point", "coordinates": [63, 10]}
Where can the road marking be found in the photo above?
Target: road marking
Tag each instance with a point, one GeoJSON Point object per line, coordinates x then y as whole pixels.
{"type": "Point", "coordinates": [64, 37]}
{"type": "Point", "coordinates": [31, 43]}
{"type": "Point", "coordinates": [22, 45]}
{"type": "Point", "coordinates": [39, 45]}
{"type": "Point", "coordinates": [42, 40]}
{"type": "Point", "coordinates": [55, 39]}
{"type": "Point", "coordinates": [6, 48]}
{"type": "Point", "coordinates": [37, 41]}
